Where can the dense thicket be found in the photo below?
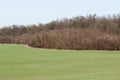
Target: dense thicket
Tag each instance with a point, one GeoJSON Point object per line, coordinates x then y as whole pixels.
{"type": "Point", "coordinates": [89, 33]}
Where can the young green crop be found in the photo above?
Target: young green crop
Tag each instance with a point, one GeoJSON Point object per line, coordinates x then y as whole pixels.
{"type": "Point", "coordinates": [18, 62]}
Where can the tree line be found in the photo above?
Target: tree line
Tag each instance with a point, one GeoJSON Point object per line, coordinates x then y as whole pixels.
{"type": "Point", "coordinates": [79, 33]}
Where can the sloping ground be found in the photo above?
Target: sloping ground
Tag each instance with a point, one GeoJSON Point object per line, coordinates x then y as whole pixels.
{"type": "Point", "coordinates": [18, 62]}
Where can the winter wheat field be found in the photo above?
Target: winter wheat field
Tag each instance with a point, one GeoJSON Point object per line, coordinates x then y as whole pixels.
{"type": "Point", "coordinates": [18, 62]}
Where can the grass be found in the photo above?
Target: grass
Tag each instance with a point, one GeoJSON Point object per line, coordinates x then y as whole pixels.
{"type": "Point", "coordinates": [18, 62]}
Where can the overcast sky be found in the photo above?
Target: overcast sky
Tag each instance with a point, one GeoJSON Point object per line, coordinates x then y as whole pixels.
{"type": "Point", "coordinates": [24, 12]}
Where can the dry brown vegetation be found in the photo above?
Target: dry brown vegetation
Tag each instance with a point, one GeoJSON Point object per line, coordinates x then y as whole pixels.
{"type": "Point", "coordinates": [80, 33]}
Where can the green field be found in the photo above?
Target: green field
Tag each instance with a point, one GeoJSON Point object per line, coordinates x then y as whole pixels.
{"type": "Point", "coordinates": [18, 62]}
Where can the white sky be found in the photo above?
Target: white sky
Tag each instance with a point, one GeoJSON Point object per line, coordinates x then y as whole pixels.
{"type": "Point", "coordinates": [24, 12]}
